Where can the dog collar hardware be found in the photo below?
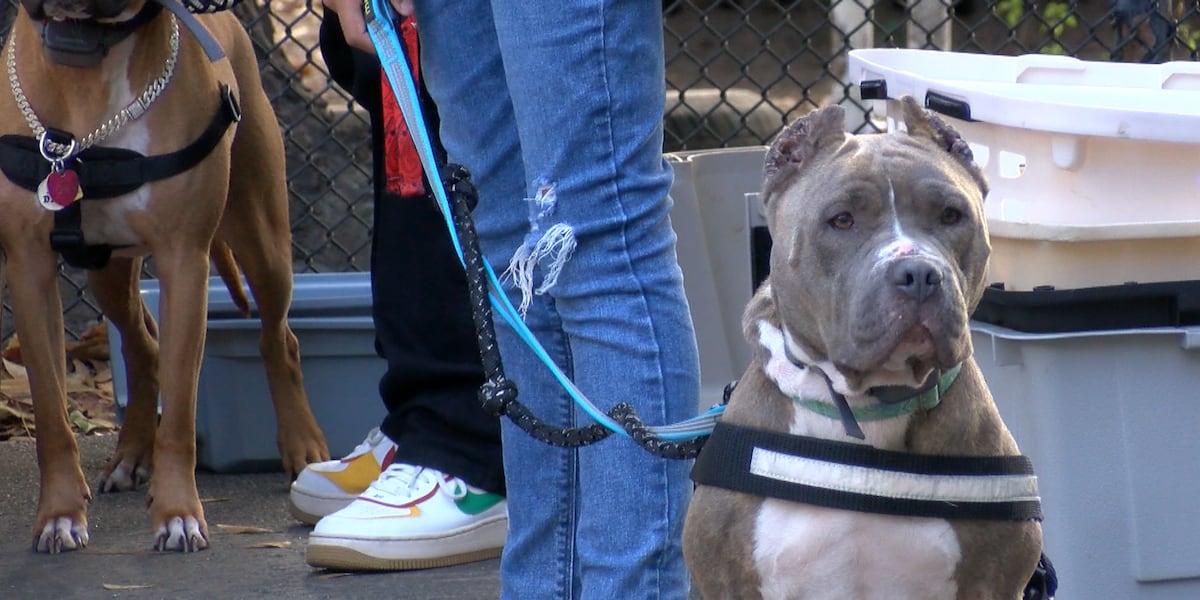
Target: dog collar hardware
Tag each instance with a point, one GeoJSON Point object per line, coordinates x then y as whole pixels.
{"type": "Point", "coordinates": [860, 478]}
{"type": "Point", "coordinates": [131, 112]}
{"type": "Point", "coordinates": [924, 398]}
{"type": "Point", "coordinates": [84, 43]}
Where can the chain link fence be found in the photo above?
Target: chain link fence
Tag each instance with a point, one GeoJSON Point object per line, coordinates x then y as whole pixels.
{"type": "Point", "coordinates": [737, 71]}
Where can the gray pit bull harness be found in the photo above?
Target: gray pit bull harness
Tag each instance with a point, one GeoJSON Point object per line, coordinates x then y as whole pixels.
{"type": "Point", "coordinates": [861, 478]}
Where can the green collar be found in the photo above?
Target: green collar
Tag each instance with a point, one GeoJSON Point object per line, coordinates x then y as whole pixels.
{"type": "Point", "coordinates": [880, 411]}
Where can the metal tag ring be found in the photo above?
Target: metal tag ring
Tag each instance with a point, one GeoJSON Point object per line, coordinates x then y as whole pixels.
{"type": "Point", "coordinates": [44, 143]}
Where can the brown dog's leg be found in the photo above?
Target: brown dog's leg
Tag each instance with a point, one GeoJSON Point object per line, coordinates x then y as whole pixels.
{"type": "Point", "coordinates": [299, 437]}
{"type": "Point", "coordinates": [268, 271]}
{"type": "Point", "coordinates": [175, 511]}
{"type": "Point", "coordinates": [256, 226]}
{"type": "Point", "coordinates": [116, 289]}
{"type": "Point", "coordinates": [61, 522]}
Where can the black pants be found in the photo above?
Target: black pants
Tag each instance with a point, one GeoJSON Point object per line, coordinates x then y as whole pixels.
{"type": "Point", "coordinates": [422, 313]}
{"type": "Point", "coordinates": [425, 332]}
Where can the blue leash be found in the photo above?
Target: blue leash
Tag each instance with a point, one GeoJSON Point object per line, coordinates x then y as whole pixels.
{"type": "Point", "coordinates": [380, 19]}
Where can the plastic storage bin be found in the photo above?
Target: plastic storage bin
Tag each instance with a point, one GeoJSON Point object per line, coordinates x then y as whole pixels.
{"type": "Point", "coordinates": [235, 419]}
{"type": "Point", "coordinates": [715, 215]}
{"type": "Point", "coordinates": [1093, 166]}
{"type": "Point", "coordinates": [1110, 420]}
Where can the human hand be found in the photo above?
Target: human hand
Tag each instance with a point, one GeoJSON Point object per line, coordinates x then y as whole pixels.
{"type": "Point", "coordinates": [354, 25]}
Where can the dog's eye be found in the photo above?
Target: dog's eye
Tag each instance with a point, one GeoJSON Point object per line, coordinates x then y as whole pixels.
{"type": "Point", "coordinates": [842, 220]}
{"type": "Point", "coordinates": [950, 216]}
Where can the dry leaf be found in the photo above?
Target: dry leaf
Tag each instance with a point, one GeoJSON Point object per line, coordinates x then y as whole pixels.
{"type": "Point", "coordinates": [283, 544]}
{"type": "Point", "coordinates": [91, 404]}
{"type": "Point", "coordinates": [115, 587]}
{"type": "Point", "coordinates": [243, 529]}
{"type": "Point", "coordinates": [80, 422]}
{"type": "Point", "coordinates": [14, 409]}
{"type": "Point", "coordinates": [12, 350]}
{"type": "Point", "coordinates": [103, 373]}
{"type": "Point", "coordinates": [11, 369]}
{"type": "Point", "coordinates": [99, 331]}
{"type": "Point", "coordinates": [92, 345]}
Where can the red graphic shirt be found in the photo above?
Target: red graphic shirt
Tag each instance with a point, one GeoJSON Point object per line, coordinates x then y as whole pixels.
{"type": "Point", "coordinates": [401, 166]}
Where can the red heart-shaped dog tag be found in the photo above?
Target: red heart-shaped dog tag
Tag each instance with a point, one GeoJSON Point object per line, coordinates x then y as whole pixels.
{"type": "Point", "coordinates": [63, 187]}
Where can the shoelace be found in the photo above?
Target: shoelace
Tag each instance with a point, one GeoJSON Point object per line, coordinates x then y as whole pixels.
{"type": "Point", "coordinates": [401, 480]}
{"type": "Point", "coordinates": [374, 437]}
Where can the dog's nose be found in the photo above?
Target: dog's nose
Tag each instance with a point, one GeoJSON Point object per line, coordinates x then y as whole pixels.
{"type": "Point", "coordinates": [917, 278]}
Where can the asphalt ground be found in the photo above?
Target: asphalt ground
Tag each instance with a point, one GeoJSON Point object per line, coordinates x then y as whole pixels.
{"type": "Point", "coordinates": [119, 562]}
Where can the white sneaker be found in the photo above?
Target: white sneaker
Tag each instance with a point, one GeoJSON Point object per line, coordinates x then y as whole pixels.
{"type": "Point", "coordinates": [326, 487]}
{"type": "Point", "coordinates": [411, 518]}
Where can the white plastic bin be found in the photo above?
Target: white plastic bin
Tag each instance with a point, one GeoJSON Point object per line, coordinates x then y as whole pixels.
{"type": "Point", "coordinates": [235, 419]}
{"type": "Point", "coordinates": [1111, 421]}
{"type": "Point", "coordinates": [713, 218]}
{"type": "Point", "coordinates": [1094, 167]}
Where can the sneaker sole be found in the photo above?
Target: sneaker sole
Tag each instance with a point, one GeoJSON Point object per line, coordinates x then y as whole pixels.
{"type": "Point", "coordinates": [303, 517]}
{"type": "Point", "coordinates": [349, 559]}
{"type": "Point", "coordinates": [458, 547]}
{"type": "Point", "coordinates": [309, 508]}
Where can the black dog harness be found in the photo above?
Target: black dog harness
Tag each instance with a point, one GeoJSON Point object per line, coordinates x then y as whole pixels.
{"type": "Point", "coordinates": [106, 173]}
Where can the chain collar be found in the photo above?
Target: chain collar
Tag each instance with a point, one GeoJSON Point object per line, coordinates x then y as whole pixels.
{"type": "Point", "coordinates": [132, 111]}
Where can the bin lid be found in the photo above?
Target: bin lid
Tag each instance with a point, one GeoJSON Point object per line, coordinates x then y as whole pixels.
{"type": "Point", "coordinates": [313, 295]}
{"type": "Point", "coordinates": [1158, 102]}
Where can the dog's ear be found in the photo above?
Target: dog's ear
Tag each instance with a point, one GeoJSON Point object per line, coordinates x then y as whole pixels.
{"type": "Point", "coordinates": [804, 138]}
{"type": "Point", "coordinates": [923, 123]}
{"type": "Point", "coordinates": [761, 307]}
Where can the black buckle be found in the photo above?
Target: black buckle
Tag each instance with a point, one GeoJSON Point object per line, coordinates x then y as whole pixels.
{"type": "Point", "coordinates": [66, 240]}
{"type": "Point", "coordinates": [231, 103]}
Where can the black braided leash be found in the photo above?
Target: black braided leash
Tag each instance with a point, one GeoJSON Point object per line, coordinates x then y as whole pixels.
{"type": "Point", "coordinates": [498, 394]}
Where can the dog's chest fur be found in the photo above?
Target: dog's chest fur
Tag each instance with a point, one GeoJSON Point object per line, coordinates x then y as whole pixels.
{"type": "Point", "coordinates": [805, 551]}
{"type": "Point", "coordinates": [104, 221]}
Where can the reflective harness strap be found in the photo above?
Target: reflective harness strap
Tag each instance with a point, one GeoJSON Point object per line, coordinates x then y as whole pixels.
{"type": "Point", "coordinates": [860, 478]}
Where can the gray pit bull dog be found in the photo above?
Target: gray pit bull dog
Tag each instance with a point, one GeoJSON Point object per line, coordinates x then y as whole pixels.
{"type": "Point", "coordinates": [861, 454]}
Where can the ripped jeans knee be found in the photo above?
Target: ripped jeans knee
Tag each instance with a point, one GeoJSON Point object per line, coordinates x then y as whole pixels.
{"type": "Point", "coordinates": [546, 249]}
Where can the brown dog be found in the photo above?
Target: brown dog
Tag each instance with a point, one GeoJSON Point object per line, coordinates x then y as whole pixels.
{"type": "Point", "coordinates": [227, 200]}
{"type": "Point", "coordinates": [845, 464]}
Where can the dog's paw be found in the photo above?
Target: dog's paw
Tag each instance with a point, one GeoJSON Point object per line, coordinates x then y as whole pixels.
{"type": "Point", "coordinates": [300, 446]}
{"type": "Point", "coordinates": [124, 477]}
{"type": "Point", "coordinates": [182, 534]}
{"type": "Point", "coordinates": [61, 535]}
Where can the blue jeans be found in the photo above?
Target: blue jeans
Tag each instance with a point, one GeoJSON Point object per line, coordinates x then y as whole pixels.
{"type": "Point", "coordinates": [555, 106]}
